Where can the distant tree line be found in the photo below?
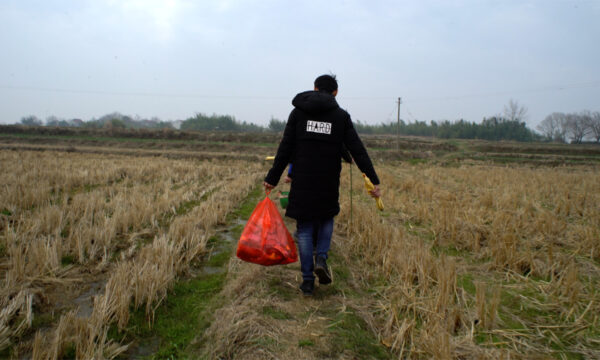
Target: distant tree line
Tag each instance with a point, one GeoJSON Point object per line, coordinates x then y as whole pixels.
{"type": "Point", "coordinates": [493, 128]}
{"type": "Point", "coordinates": [218, 123]}
{"type": "Point", "coordinates": [112, 120]}
{"type": "Point", "coordinates": [200, 122]}
{"type": "Point", "coordinates": [509, 126]}
{"type": "Point", "coordinates": [576, 127]}
{"type": "Point", "coordinates": [560, 127]}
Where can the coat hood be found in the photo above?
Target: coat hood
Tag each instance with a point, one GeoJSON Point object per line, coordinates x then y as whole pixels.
{"type": "Point", "coordinates": [315, 102]}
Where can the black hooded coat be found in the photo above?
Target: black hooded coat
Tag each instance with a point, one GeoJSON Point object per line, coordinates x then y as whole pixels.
{"type": "Point", "coordinates": [313, 142]}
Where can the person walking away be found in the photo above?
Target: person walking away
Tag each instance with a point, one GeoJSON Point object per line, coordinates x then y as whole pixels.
{"type": "Point", "coordinates": [313, 140]}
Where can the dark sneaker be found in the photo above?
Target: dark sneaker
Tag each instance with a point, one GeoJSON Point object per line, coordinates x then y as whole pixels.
{"type": "Point", "coordinates": [308, 287]}
{"type": "Point", "coordinates": [322, 271]}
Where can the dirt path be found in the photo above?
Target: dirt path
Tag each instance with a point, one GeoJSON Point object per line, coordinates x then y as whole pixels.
{"type": "Point", "coordinates": [229, 309]}
{"type": "Point", "coordinates": [266, 316]}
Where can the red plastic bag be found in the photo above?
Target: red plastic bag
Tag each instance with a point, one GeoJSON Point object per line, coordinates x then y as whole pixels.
{"type": "Point", "coordinates": [265, 239]}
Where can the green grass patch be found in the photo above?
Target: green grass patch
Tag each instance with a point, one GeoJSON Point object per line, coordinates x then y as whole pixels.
{"type": "Point", "coordinates": [449, 250]}
{"type": "Point", "coordinates": [483, 338]}
{"type": "Point", "coordinates": [275, 313]}
{"type": "Point", "coordinates": [219, 259]}
{"type": "Point", "coordinates": [144, 239]}
{"type": "Point", "coordinates": [64, 232]}
{"type": "Point", "coordinates": [264, 342]}
{"type": "Point", "coordinates": [69, 352]}
{"type": "Point", "coordinates": [340, 272]}
{"type": "Point", "coordinates": [465, 281]}
{"type": "Point", "coordinates": [66, 260]}
{"type": "Point", "coordinates": [187, 206]}
{"type": "Point", "coordinates": [352, 333]}
{"type": "Point", "coordinates": [247, 206]}
{"type": "Point", "coordinates": [6, 353]}
{"type": "Point", "coordinates": [213, 240]}
{"type": "Point", "coordinates": [237, 230]}
{"type": "Point", "coordinates": [184, 208]}
{"type": "Point", "coordinates": [341, 276]}
{"type": "Point", "coordinates": [104, 139]}
{"type": "Point", "coordinates": [281, 290]}
{"type": "Point", "coordinates": [417, 161]}
{"type": "Point", "coordinates": [523, 306]}
{"type": "Point", "coordinates": [305, 342]}
{"type": "Point", "coordinates": [90, 187]}
{"type": "Point", "coordinates": [185, 315]}
{"type": "Point", "coordinates": [6, 212]}
{"type": "Point", "coordinates": [187, 311]}
{"type": "Point", "coordinates": [44, 320]}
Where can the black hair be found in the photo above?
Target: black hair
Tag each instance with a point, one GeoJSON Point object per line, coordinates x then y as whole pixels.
{"type": "Point", "coordinates": [326, 83]}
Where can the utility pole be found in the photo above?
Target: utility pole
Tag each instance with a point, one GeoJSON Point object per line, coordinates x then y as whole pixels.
{"type": "Point", "coordinates": [398, 128]}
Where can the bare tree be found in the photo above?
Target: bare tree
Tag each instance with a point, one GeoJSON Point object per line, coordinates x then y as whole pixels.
{"type": "Point", "coordinates": [515, 111]}
{"type": "Point", "coordinates": [52, 121]}
{"type": "Point", "coordinates": [578, 127]}
{"type": "Point", "coordinates": [553, 127]}
{"type": "Point", "coordinates": [595, 125]}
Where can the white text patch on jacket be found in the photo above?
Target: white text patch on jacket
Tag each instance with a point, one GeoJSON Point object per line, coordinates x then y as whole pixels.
{"type": "Point", "coordinates": [318, 127]}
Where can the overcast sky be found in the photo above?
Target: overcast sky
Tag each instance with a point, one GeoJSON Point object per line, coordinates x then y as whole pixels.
{"type": "Point", "coordinates": [172, 59]}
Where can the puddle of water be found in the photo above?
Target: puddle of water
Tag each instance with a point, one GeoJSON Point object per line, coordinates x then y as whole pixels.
{"type": "Point", "coordinates": [85, 301]}
{"type": "Point", "coordinates": [239, 221]}
{"type": "Point", "coordinates": [210, 270]}
{"type": "Point", "coordinates": [229, 237]}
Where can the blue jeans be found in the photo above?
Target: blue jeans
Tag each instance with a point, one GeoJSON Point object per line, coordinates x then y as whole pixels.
{"type": "Point", "coordinates": [306, 230]}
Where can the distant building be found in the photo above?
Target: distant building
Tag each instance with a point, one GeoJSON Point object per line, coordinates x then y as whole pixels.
{"type": "Point", "coordinates": [177, 124]}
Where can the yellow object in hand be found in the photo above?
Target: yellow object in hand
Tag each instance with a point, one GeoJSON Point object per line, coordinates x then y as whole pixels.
{"type": "Point", "coordinates": [370, 187]}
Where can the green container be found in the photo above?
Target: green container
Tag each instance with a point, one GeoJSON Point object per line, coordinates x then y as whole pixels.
{"type": "Point", "coordinates": [283, 198]}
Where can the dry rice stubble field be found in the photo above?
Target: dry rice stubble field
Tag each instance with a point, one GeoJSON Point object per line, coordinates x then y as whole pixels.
{"type": "Point", "coordinates": [472, 261]}
{"type": "Point", "coordinates": [129, 223]}
{"type": "Point", "coordinates": [484, 261]}
{"type": "Point", "coordinates": [475, 261]}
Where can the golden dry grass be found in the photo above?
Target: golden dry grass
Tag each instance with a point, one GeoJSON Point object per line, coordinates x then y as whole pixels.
{"type": "Point", "coordinates": [475, 261]}
{"type": "Point", "coordinates": [141, 220]}
{"type": "Point", "coordinates": [483, 261]}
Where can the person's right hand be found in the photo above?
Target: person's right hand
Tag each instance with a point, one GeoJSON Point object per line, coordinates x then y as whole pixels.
{"type": "Point", "coordinates": [267, 186]}
{"type": "Point", "coordinates": [287, 179]}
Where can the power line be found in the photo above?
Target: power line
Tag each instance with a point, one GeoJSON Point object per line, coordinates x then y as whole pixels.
{"type": "Point", "coordinates": [142, 94]}
{"type": "Point", "coordinates": [389, 116]}
{"type": "Point", "coordinates": [410, 114]}
{"type": "Point", "coordinates": [590, 84]}
{"type": "Point", "coordinates": [581, 85]}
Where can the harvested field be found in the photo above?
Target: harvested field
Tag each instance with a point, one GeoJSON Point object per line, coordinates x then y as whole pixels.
{"type": "Point", "coordinates": [477, 261]}
{"type": "Point", "coordinates": [484, 261]}
{"type": "Point", "coordinates": [130, 223]}
{"type": "Point", "coordinates": [473, 257]}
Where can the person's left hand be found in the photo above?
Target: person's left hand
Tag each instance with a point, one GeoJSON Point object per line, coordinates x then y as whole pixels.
{"type": "Point", "coordinates": [267, 186]}
{"type": "Point", "coordinates": [376, 192]}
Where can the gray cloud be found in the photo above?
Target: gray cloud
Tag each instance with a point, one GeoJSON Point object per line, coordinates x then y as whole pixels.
{"type": "Point", "coordinates": [447, 59]}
